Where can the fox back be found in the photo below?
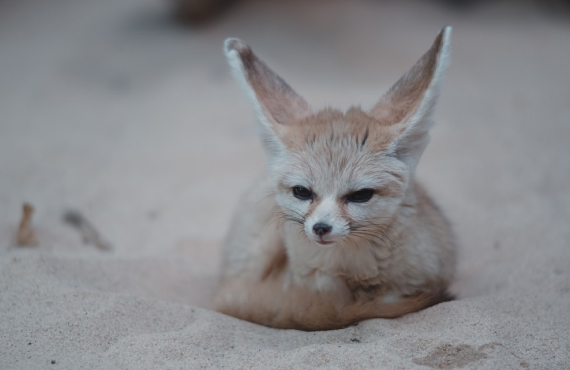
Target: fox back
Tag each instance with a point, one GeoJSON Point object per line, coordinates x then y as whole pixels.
{"type": "Point", "coordinates": [338, 230]}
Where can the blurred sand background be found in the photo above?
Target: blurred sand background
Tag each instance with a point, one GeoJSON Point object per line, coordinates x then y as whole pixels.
{"type": "Point", "coordinates": [111, 108]}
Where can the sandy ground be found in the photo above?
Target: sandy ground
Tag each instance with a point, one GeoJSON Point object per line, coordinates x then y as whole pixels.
{"type": "Point", "coordinates": [109, 108]}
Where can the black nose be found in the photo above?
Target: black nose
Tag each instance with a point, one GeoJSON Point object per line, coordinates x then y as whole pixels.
{"type": "Point", "coordinates": [321, 229]}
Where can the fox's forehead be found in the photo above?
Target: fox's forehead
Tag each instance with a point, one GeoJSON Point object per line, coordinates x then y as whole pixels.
{"type": "Point", "coordinates": [330, 127]}
{"type": "Point", "coordinates": [336, 152]}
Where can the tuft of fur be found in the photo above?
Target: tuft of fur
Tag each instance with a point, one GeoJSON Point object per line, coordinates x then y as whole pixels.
{"type": "Point", "coordinates": [385, 257]}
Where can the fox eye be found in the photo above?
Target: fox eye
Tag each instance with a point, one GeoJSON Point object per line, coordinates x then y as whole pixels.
{"type": "Point", "coordinates": [360, 196]}
{"type": "Point", "coordinates": [302, 193]}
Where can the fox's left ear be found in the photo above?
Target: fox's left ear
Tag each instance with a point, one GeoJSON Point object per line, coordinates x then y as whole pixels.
{"type": "Point", "coordinates": [408, 106]}
{"type": "Point", "coordinates": [275, 103]}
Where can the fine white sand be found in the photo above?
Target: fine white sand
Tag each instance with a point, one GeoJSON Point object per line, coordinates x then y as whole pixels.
{"type": "Point", "coordinates": [109, 108]}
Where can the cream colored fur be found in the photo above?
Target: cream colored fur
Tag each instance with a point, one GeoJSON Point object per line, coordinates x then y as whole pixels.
{"type": "Point", "coordinates": [385, 257]}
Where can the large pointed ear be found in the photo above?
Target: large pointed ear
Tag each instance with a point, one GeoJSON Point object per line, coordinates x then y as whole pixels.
{"type": "Point", "coordinates": [274, 101]}
{"type": "Point", "coordinates": [409, 104]}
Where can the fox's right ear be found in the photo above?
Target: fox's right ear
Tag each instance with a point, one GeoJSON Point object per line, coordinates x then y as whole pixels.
{"type": "Point", "coordinates": [274, 101]}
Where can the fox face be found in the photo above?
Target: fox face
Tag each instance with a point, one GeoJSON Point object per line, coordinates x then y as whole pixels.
{"type": "Point", "coordinates": [341, 177]}
{"type": "Point", "coordinates": [336, 177]}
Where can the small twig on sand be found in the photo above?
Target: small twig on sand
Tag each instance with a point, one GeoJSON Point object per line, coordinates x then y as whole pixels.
{"type": "Point", "coordinates": [26, 234]}
{"type": "Point", "coordinates": [88, 232]}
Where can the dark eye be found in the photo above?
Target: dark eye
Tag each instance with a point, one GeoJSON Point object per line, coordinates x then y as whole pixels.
{"type": "Point", "coordinates": [360, 196]}
{"type": "Point", "coordinates": [302, 193]}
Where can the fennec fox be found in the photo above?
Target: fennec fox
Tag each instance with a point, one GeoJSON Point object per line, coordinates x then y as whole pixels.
{"type": "Point", "coordinates": [338, 230]}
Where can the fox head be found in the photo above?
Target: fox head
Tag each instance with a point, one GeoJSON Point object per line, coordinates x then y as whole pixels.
{"type": "Point", "coordinates": [343, 176]}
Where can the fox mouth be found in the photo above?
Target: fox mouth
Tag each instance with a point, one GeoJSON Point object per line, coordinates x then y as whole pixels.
{"type": "Point", "coordinates": [324, 242]}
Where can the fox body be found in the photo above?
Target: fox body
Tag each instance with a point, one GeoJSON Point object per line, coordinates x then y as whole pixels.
{"type": "Point", "coordinates": [337, 230]}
